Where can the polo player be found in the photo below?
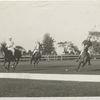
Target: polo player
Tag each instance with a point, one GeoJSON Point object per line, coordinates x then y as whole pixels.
{"type": "Point", "coordinates": [36, 48]}
{"type": "Point", "coordinates": [11, 45]}
{"type": "Point", "coordinates": [86, 46]}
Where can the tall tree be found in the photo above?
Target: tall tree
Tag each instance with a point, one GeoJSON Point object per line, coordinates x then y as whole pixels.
{"type": "Point", "coordinates": [95, 35]}
{"type": "Point", "coordinates": [96, 47]}
{"type": "Point", "coordinates": [48, 44]}
{"type": "Point", "coordinates": [95, 38]}
{"type": "Point", "coordinates": [62, 44]}
{"type": "Point", "coordinates": [68, 46]}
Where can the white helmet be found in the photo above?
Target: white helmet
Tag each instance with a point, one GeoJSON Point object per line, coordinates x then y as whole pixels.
{"type": "Point", "coordinates": [10, 37]}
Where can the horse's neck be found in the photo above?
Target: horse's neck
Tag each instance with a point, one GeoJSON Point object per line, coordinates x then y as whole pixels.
{"type": "Point", "coordinates": [5, 53]}
{"type": "Point", "coordinates": [5, 50]}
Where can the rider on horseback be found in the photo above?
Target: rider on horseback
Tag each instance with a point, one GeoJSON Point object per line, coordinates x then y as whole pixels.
{"type": "Point", "coordinates": [37, 52]}
{"type": "Point", "coordinates": [36, 48]}
{"type": "Point", "coordinates": [86, 44]}
{"type": "Point", "coordinates": [11, 45]}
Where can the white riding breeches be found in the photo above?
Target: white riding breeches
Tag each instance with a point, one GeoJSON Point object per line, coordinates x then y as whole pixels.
{"type": "Point", "coordinates": [11, 49]}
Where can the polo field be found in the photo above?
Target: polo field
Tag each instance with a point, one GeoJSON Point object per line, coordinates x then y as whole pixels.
{"type": "Point", "coordinates": [50, 79]}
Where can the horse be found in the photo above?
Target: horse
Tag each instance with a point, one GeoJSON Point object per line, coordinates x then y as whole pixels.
{"type": "Point", "coordinates": [36, 57]}
{"type": "Point", "coordinates": [9, 57]}
{"type": "Point", "coordinates": [84, 59]}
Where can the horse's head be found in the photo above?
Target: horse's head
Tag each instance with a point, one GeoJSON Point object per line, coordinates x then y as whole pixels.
{"type": "Point", "coordinates": [3, 47]}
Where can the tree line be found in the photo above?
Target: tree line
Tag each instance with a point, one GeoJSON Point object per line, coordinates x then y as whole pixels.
{"type": "Point", "coordinates": [68, 46]}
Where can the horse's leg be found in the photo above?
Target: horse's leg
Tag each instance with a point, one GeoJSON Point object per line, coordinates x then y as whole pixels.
{"type": "Point", "coordinates": [38, 61]}
{"type": "Point", "coordinates": [84, 64]}
{"type": "Point", "coordinates": [31, 60]}
{"type": "Point", "coordinates": [14, 61]}
{"type": "Point", "coordinates": [4, 63]}
{"type": "Point", "coordinates": [34, 63]}
{"type": "Point", "coordinates": [8, 65]}
{"type": "Point", "coordinates": [17, 62]}
{"type": "Point", "coordinates": [89, 61]}
{"type": "Point", "coordinates": [79, 66]}
{"type": "Point", "coordinates": [14, 64]}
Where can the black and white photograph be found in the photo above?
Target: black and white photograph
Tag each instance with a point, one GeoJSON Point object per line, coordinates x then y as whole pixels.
{"type": "Point", "coordinates": [50, 50]}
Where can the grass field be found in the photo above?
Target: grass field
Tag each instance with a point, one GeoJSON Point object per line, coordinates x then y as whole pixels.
{"type": "Point", "coordinates": [37, 88]}
{"type": "Point", "coordinates": [56, 67]}
{"type": "Point", "coordinates": [33, 88]}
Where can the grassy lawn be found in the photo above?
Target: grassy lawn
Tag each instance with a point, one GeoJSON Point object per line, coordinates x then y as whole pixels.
{"type": "Point", "coordinates": [35, 88]}
{"type": "Point", "coordinates": [56, 67]}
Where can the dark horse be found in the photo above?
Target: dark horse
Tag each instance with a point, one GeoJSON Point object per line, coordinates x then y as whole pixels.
{"type": "Point", "coordinates": [84, 59]}
{"type": "Point", "coordinates": [37, 56]}
{"type": "Point", "coordinates": [9, 57]}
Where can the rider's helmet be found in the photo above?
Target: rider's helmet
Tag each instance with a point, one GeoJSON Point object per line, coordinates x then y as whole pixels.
{"type": "Point", "coordinates": [10, 38]}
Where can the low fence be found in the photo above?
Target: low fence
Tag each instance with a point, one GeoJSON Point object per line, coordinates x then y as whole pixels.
{"type": "Point", "coordinates": [48, 57]}
{"type": "Point", "coordinates": [53, 57]}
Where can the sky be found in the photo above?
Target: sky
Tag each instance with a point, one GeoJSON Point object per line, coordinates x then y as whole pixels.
{"type": "Point", "coordinates": [64, 20]}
